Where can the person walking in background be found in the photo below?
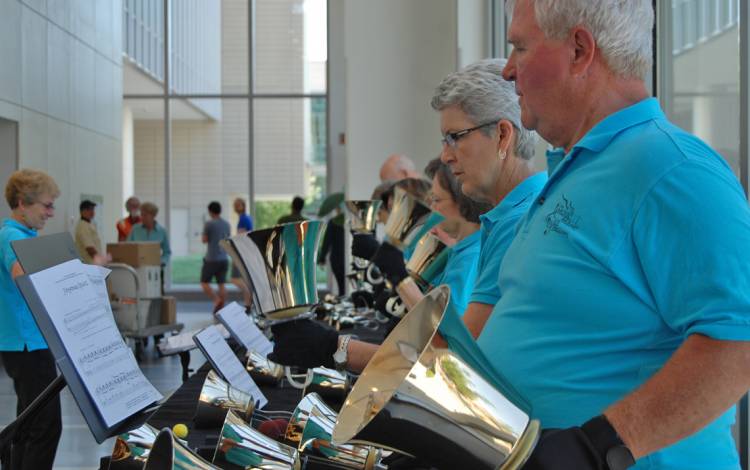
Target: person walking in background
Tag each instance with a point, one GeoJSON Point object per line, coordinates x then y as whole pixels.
{"type": "Point", "coordinates": [216, 261]}
{"type": "Point", "coordinates": [296, 216]}
{"type": "Point", "coordinates": [28, 361]}
{"type": "Point", "coordinates": [125, 225]}
{"type": "Point", "coordinates": [86, 236]}
{"type": "Point", "coordinates": [244, 225]}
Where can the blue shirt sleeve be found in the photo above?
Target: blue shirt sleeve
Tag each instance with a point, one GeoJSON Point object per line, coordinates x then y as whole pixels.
{"type": "Point", "coordinates": [166, 252]}
{"type": "Point", "coordinates": [486, 290]}
{"type": "Point", "coordinates": [692, 241]}
{"type": "Point", "coordinates": [6, 251]}
{"type": "Point", "coordinates": [460, 275]}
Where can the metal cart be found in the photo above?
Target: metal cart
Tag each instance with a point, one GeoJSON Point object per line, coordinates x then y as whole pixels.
{"type": "Point", "coordinates": [137, 317]}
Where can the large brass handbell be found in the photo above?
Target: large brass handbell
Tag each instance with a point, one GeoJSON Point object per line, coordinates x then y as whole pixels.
{"type": "Point", "coordinates": [168, 453]}
{"type": "Point", "coordinates": [216, 398]}
{"type": "Point", "coordinates": [316, 440]}
{"type": "Point", "coordinates": [242, 447]}
{"type": "Point", "coordinates": [132, 448]}
{"type": "Point", "coordinates": [362, 215]}
{"type": "Point", "coordinates": [262, 370]}
{"type": "Point", "coordinates": [427, 402]}
{"type": "Point", "coordinates": [279, 265]}
{"type": "Point", "coordinates": [330, 384]}
{"type": "Point", "coordinates": [428, 260]}
{"type": "Point", "coordinates": [406, 219]}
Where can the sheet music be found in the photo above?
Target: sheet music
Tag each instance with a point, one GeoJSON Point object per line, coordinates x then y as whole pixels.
{"type": "Point", "coordinates": [75, 296]}
{"type": "Point", "coordinates": [221, 356]}
{"type": "Point", "coordinates": [243, 330]}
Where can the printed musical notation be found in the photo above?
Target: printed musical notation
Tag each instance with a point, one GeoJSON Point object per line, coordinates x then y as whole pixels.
{"type": "Point", "coordinates": [75, 297]}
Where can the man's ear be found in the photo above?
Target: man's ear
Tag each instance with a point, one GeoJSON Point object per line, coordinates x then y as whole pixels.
{"type": "Point", "coordinates": [583, 46]}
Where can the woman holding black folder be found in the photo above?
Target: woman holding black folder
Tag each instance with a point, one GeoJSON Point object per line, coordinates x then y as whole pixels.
{"type": "Point", "coordinates": [27, 359]}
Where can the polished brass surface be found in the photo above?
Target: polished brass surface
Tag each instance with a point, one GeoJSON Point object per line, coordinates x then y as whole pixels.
{"type": "Point", "coordinates": [328, 383]}
{"type": "Point", "coordinates": [169, 453]}
{"type": "Point", "coordinates": [301, 414]}
{"type": "Point", "coordinates": [428, 260]}
{"type": "Point", "coordinates": [216, 398]}
{"type": "Point", "coordinates": [426, 401]}
{"type": "Point", "coordinates": [279, 265]}
{"type": "Point", "coordinates": [243, 447]}
{"type": "Point", "coordinates": [362, 216]}
{"type": "Point", "coordinates": [316, 440]}
{"type": "Point", "coordinates": [262, 370]}
{"type": "Point", "coordinates": [132, 448]}
{"type": "Point", "coordinates": [407, 217]}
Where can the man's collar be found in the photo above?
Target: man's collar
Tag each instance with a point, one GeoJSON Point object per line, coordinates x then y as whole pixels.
{"type": "Point", "coordinates": [599, 137]}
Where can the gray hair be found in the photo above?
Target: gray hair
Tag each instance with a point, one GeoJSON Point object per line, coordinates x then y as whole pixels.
{"type": "Point", "coordinates": [621, 29]}
{"type": "Point", "coordinates": [481, 92]}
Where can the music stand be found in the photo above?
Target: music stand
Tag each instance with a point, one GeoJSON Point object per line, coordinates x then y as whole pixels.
{"type": "Point", "coordinates": [34, 255]}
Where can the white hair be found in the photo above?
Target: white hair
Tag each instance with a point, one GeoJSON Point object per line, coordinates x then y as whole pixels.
{"type": "Point", "coordinates": [481, 92]}
{"type": "Point", "coordinates": [622, 29]}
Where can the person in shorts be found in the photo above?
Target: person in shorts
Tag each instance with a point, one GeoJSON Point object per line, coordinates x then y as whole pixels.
{"type": "Point", "coordinates": [216, 261]}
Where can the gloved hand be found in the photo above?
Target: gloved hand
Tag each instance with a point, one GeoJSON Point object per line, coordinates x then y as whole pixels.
{"type": "Point", "coordinates": [364, 245]}
{"type": "Point", "coordinates": [581, 448]}
{"type": "Point", "coordinates": [304, 343]}
{"type": "Point", "coordinates": [390, 261]}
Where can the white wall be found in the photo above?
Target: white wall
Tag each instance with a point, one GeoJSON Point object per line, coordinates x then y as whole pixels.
{"type": "Point", "coordinates": [396, 53]}
{"type": "Point", "coordinates": [61, 79]}
{"type": "Point", "coordinates": [473, 23]}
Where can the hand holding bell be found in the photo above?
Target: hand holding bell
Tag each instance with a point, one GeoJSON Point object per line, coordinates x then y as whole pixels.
{"type": "Point", "coordinates": [390, 261]}
{"type": "Point", "coordinates": [364, 245]}
{"type": "Point", "coordinates": [304, 343]}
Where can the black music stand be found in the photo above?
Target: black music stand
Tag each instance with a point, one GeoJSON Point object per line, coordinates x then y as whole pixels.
{"type": "Point", "coordinates": [37, 254]}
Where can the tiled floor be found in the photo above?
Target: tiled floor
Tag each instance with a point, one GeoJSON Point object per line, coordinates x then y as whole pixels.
{"type": "Point", "coordinates": [78, 449]}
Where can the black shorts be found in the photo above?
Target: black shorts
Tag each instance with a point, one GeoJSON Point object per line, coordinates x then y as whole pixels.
{"type": "Point", "coordinates": [236, 272]}
{"type": "Point", "coordinates": [217, 269]}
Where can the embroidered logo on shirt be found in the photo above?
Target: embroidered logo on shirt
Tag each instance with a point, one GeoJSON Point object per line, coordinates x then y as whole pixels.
{"type": "Point", "coordinates": [564, 213]}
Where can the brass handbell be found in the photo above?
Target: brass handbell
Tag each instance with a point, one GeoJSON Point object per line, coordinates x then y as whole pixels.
{"type": "Point", "coordinates": [328, 383]}
{"type": "Point", "coordinates": [132, 448]}
{"type": "Point", "coordinates": [262, 370]}
{"type": "Point", "coordinates": [363, 215]}
{"type": "Point", "coordinates": [316, 440]}
{"type": "Point", "coordinates": [243, 447]}
{"type": "Point", "coordinates": [168, 453]}
{"type": "Point", "coordinates": [216, 398]}
{"type": "Point", "coordinates": [428, 260]}
{"type": "Point", "coordinates": [279, 265]}
{"type": "Point", "coordinates": [426, 401]}
{"type": "Point", "coordinates": [407, 217]}
{"type": "Point", "coordinates": [301, 414]}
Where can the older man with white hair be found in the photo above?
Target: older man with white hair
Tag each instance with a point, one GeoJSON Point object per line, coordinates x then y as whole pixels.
{"type": "Point", "coordinates": [398, 167]}
{"type": "Point", "coordinates": [625, 308]}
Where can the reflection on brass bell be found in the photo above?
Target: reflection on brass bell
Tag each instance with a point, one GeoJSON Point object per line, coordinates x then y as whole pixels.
{"type": "Point", "coordinates": [216, 398]}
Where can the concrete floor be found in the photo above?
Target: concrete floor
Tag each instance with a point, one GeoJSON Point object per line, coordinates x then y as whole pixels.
{"type": "Point", "coordinates": [78, 449]}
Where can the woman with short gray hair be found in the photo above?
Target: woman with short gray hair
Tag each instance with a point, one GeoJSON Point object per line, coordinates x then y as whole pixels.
{"type": "Point", "coordinates": [489, 152]}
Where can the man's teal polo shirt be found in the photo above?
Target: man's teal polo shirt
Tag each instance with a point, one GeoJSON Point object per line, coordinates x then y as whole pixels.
{"type": "Point", "coordinates": [498, 230]}
{"type": "Point", "coordinates": [18, 329]}
{"type": "Point", "coordinates": [139, 233]}
{"type": "Point", "coordinates": [638, 240]}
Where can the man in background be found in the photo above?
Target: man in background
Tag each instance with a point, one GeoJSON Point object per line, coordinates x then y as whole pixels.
{"type": "Point", "coordinates": [216, 261]}
{"type": "Point", "coordinates": [124, 226]}
{"type": "Point", "coordinates": [296, 216]}
{"type": "Point", "coordinates": [397, 167]}
{"type": "Point", "coordinates": [87, 238]}
{"type": "Point", "coordinates": [244, 225]}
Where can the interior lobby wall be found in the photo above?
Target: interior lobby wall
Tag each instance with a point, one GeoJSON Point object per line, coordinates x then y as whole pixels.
{"type": "Point", "coordinates": [61, 80]}
{"type": "Point", "coordinates": [396, 53]}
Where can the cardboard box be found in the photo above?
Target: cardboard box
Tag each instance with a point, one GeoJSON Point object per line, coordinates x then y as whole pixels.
{"type": "Point", "coordinates": [149, 281]}
{"type": "Point", "coordinates": [135, 254]}
{"type": "Point", "coordinates": [168, 310]}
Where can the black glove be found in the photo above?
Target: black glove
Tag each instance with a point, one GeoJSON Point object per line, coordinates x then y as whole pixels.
{"type": "Point", "coordinates": [381, 298]}
{"type": "Point", "coordinates": [304, 343]}
{"type": "Point", "coordinates": [364, 245]}
{"type": "Point", "coordinates": [593, 446]}
{"type": "Point", "coordinates": [390, 261]}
